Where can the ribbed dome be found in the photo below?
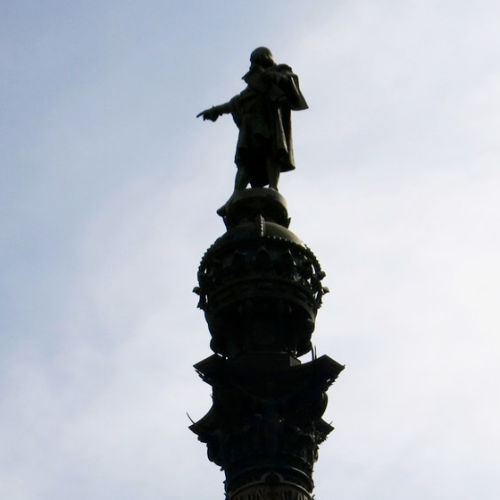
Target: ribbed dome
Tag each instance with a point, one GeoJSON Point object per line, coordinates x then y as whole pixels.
{"type": "Point", "coordinates": [255, 230]}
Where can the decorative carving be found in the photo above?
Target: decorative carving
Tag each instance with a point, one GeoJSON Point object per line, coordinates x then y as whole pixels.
{"type": "Point", "coordinates": [264, 492]}
{"type": "Point", "coordinates": [270, 487]}
{"type": "Point", "coordinates": [260, 281]}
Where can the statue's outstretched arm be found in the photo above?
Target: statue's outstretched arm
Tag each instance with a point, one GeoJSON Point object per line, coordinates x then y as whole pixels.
{"type": "Point", "coordinates": [215, 111]}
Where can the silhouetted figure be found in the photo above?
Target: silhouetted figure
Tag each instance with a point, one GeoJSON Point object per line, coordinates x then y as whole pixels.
{"type": "Point", "coordinates": [262, 114]}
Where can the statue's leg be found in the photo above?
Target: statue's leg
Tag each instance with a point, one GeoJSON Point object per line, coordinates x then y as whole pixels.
{"type": "Point", "coordinates": [242, 179]}
{"type": "Point", "coordinates": [273, 174]}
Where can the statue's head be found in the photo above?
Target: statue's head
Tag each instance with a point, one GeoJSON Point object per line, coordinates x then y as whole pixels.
{"type": "Point", "coordinates": [262, 56]}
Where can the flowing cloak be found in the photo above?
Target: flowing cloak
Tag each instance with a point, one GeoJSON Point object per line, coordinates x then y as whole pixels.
{"type": "Point", "coordinates": [262, 114]}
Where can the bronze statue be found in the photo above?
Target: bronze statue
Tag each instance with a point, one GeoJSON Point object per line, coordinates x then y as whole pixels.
{"type": "Point", "coordinates": [262, 114]}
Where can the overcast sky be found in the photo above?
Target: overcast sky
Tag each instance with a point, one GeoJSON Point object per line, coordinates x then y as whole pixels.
{"type": "Point", "coordinates": [108, 197]}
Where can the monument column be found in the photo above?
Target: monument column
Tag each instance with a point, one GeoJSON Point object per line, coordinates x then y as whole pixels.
{"type": "Point", "coordinates": [260, 288]}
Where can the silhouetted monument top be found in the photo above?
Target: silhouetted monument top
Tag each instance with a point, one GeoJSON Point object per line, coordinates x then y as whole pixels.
{"type": "Point", "coordinates": [262, 113]}
{"type": "Point", "coordinates": [260, 288]}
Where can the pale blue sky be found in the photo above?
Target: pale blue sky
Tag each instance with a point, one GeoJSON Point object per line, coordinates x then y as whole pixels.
{"type": "Point", "coordinates": [108, 203]}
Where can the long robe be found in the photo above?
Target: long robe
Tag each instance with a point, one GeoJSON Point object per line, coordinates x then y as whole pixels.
{"type": "Point", "coordinates": [262, 114]}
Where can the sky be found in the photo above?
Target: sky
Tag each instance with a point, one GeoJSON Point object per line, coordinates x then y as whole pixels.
{"type": "Point", "coordinates": [108, 198]}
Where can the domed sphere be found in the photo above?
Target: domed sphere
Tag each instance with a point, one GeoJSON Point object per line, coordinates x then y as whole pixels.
{"type": "Point", "coordinates": [257, 229]}
{"type": "Point", "coordinates": [260, 288]}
